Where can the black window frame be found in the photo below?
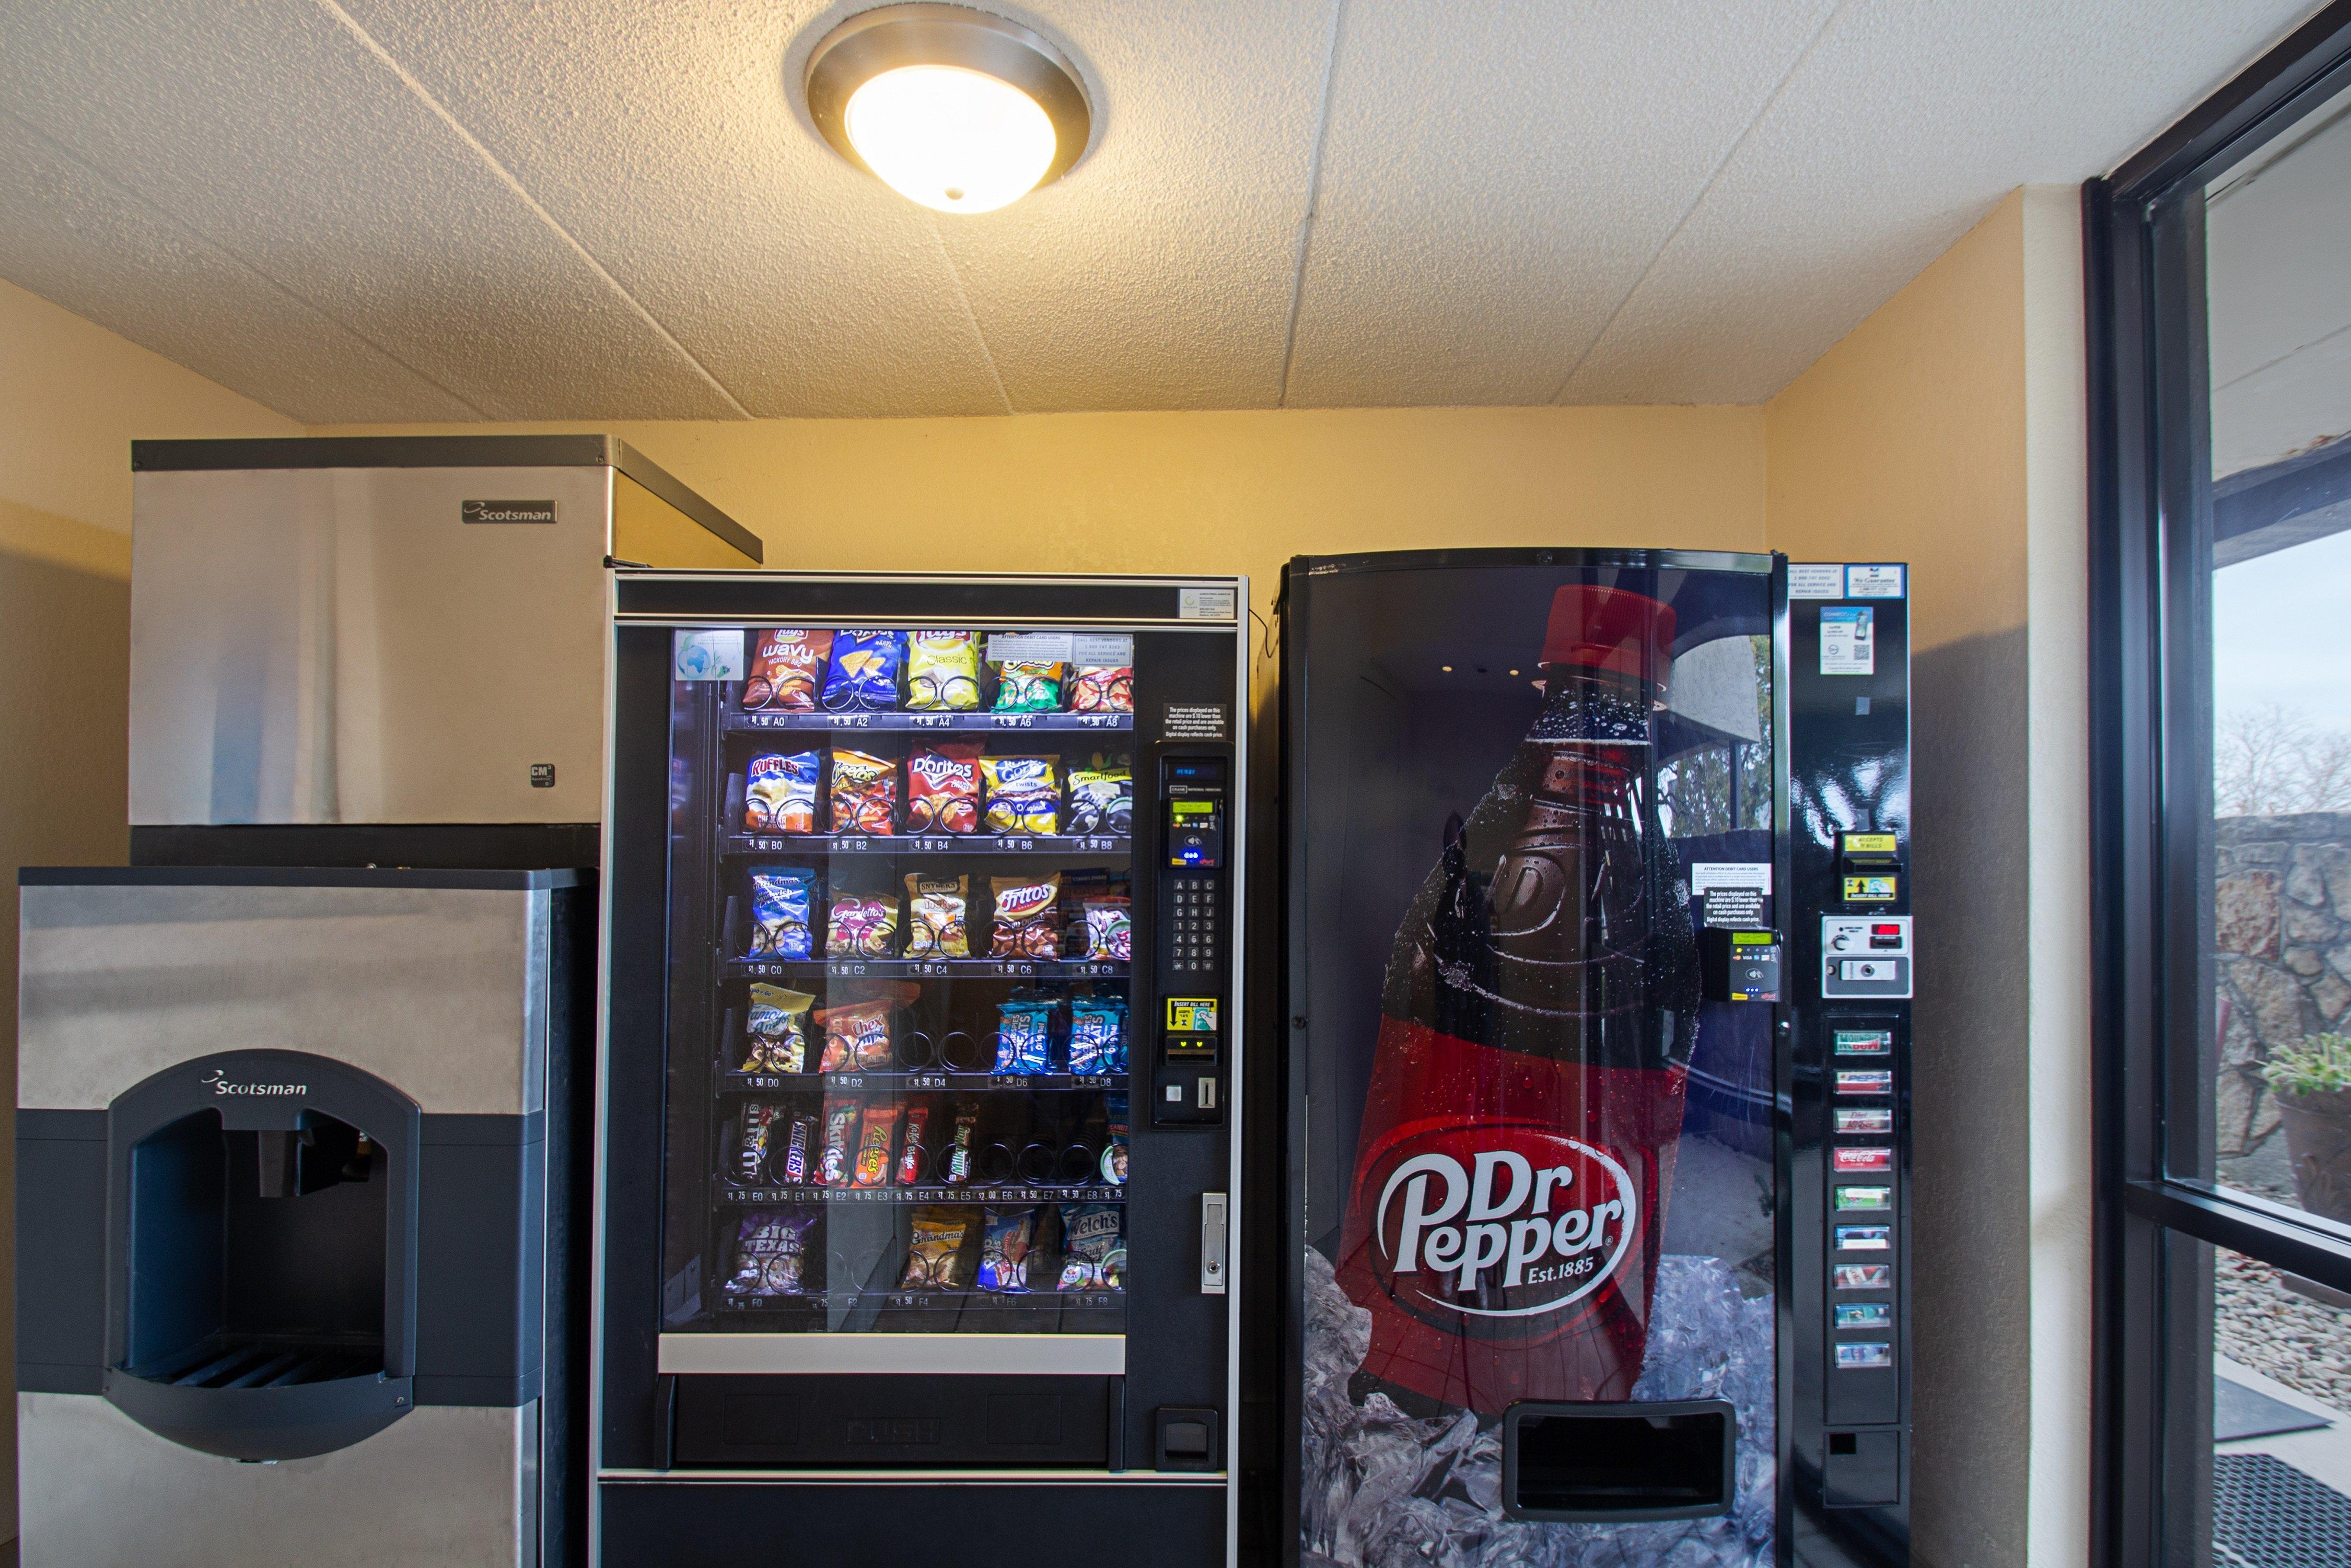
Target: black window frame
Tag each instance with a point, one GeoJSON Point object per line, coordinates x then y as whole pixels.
{"type": "Point", "coordinates": [2151, 804]}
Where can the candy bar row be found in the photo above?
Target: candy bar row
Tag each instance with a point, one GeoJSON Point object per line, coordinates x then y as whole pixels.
{"type": "Point", "coordinates": [866, 1142]}
{"type": "Point", "coordinates": [951, 786]}
{"type": "Point", "coordinates": [811, 670]}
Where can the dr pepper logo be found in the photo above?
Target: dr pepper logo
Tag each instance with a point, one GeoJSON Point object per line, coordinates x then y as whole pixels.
{"type": "Point", "coordinates": [1507, 1227]}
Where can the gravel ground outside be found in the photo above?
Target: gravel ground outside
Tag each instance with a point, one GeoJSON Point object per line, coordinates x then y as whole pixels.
{"type": "Point", "coordinates": [2259, 1323]}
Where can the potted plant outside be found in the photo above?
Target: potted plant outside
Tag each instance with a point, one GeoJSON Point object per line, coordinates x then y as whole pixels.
{"type": "Point", "coordinates": [2313, 1085]}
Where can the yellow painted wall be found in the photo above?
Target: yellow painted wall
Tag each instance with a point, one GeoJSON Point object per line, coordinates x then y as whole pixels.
{"type": "Point", "coordinates": [1946, 430]}
{"type": "Point", "coordinates": [1239, 491]}
{"type": "Point", "coordinates": [72, 397]}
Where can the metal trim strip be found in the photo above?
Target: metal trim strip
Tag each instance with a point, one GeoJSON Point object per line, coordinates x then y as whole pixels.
{"type": "Point", "coordinates": [918, 1478]}
{"type": "Point", "coordinates": [916, 1354]}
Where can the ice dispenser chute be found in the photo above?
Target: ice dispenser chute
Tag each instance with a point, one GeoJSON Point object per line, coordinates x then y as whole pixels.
{"type": "Point", "coordinates": [261, 1254]}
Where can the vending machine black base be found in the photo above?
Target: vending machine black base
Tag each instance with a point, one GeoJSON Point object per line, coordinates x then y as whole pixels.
{"type": "Point", "coordinates": [919, 1087]}
{"type": "Point", "coordinates": [1596, 913]}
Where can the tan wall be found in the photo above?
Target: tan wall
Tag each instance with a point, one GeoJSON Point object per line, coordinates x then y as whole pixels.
{"type": "Point", "coordinates": [72, 396]}
{"type": "Point", "coordinates": [1210, 492]}
{"type": "Point", "coordinates": [1946, 430]}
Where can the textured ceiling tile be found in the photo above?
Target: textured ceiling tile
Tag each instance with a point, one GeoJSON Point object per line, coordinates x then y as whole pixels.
{"type": "Point", "coordinates": [663, 137]}
{"type": "Point", "coordinates": [1903, 127]}
{"type": "Point", "coordinates": [1496, 176]}
{"type": "Point", "coordinates": [77, 239]}
{"type": "Point", "coordinates": [1157, 273]}
{"type": "Point", "coordinates": [267, 126]}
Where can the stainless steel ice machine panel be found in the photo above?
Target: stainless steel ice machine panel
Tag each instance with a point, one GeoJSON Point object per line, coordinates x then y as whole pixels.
{"type": "Point", "coordinates": [404, 630]}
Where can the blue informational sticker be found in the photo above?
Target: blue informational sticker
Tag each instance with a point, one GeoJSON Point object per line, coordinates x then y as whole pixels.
{"type": "Point", "coordinates": [1848, 639]}
{"type": "Point", "coordinates": [713, 654]}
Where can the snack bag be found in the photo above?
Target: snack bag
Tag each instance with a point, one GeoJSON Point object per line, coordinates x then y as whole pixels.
{"type": "Point", "coordinates": [1110, 926]}
{"type": "Point", "coordinates": [1022, 926]}
{"type": "Point", "coordinates": [791, 1165]}
{"type": "Point", "coordinates": [943, 788]}
{"type": "Point", "coordinates": [1093, 1250]}
{"type": "Point", "coordinates": [771, 1254]}
{"type": "Point", "coordinates": [856, 1037]}
{"type": "Point", "coordinates": [1102, 689]}
{"type": "Point", "coordinates": [785, 668]}
{"type": "Point", "coordinates": [875, 1145]}
{"type": "Point", "coordinates": [864, 792]}
{"type": "Point", "coordinates": [943, 670]}
{"type": "Point", "coordinates": [935, 924]}
{"type": "Point", "coordinates": [837, 1161]}
{"type": "Point", "coordinates": [779, 792]}
{"type": "Point", "coordinates": [1024, 1043]}
{"type": "Point", "coordinates": [1027, 686]}
{"type": "Point", "coordinates": [864, 676]}
{"type": "Point", "coordinates": [780, 899]}
{"type": "Point", "coordinates": [862, 926]}
{"type": "Point", "coordinates": [1004, 1249]}
{"type": "Point", "coordinates": [1022, 794]}
{"type": "Point", "coordinates": [1114, 1156]}
{"type": "Point", "coordinates": [751, 1130]}
{"type": "Point", "coordinates": [956, 1169]}
{"type": "Point", "coordinates": [913, 1152]}
{"type": "Point", "coordinates": [1097, 1035]}
{"type": "Point", "coordinates": [936, 1259]}
{"type": "Point", "coordinates": [778, 1030]}
{"type": "Point", "coordinates": [1102, 799]}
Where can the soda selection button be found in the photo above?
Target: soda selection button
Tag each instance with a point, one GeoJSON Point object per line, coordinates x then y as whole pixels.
{"type": "Point", "coordinates": [1861, 1354]}
{"type": "Point", "coordinates": [1864, 1315]}
{"type": "Point", "coordinates": [1863, 1275]}
{"type": "Point", "coordinates": [1865, 1159]}
{"type": "Point", "coordinates": [1864, 1198]}
{"type": "Point", "coordinates": [1865, 1041]}
{"type": "Point", "coordinates": [1864, 1239]}
{"type": "Point", "coordinates": [1865, 1119]}
{"type": "Point", "coordinates": [1864, 1080]}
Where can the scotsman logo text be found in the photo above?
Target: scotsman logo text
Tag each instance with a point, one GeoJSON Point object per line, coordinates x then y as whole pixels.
{"type": "Point", "coordinates": [1560, 1232]}
{"type": "Point", "coordinates": [221, 1086]}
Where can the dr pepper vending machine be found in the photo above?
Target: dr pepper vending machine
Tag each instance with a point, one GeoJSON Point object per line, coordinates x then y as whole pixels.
{"type": "Point", "coordinates": [1597, 913]}
{"type": "Point", "coordinates": [919, 1106]}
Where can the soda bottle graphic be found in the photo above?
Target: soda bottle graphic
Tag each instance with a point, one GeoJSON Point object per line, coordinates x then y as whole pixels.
{"type": "Point", "coordinates": [1540, 1001]}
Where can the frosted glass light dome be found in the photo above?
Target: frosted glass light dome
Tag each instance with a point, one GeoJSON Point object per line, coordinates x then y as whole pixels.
{"type": "Point", "coordinates": [957, 141]}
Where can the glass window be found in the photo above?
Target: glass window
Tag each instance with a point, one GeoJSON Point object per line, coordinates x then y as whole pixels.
{"type": "Point", "coordinates": [2277, 255]}
{"type": "Point", "coordinates": [2281, 1443]}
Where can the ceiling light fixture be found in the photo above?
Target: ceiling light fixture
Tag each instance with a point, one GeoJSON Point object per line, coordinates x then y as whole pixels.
{"type": "Point", "coordinates": [962, 110]}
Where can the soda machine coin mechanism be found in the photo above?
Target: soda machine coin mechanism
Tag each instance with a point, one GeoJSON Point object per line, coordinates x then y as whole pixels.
{"type": "Point", "coordinates": [1663, 963]}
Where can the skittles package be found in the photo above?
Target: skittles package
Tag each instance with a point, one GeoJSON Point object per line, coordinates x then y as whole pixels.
{"type": "Point", "coordinates": [943, 671]}
{"type": "Point", "coordinates": [837, 1161]}
{"type": "Point", "coordinates": [785, 669]}
{"type": "Point", "coordinates": [865, 669]}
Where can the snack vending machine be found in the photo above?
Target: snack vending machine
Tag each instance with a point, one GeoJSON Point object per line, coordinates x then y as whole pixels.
{"type": "Point", "coordinates": [921, 1068]}
{"type": "Point", "coordinates": [1597, 913]}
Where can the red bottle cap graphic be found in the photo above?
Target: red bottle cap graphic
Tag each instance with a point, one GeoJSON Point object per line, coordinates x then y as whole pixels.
{"type": "Point", "coordinates": [1610, 629]}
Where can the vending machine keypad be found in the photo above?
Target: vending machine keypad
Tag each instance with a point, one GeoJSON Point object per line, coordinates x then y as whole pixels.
{"type": "Point", "coordinates": [1192, 943]}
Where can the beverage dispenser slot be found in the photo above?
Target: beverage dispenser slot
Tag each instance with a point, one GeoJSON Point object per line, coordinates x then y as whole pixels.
{"type": "Point", "coordinates": [262, 1255]}
{"type": "Point", "coordinates": [1618, 1463]}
